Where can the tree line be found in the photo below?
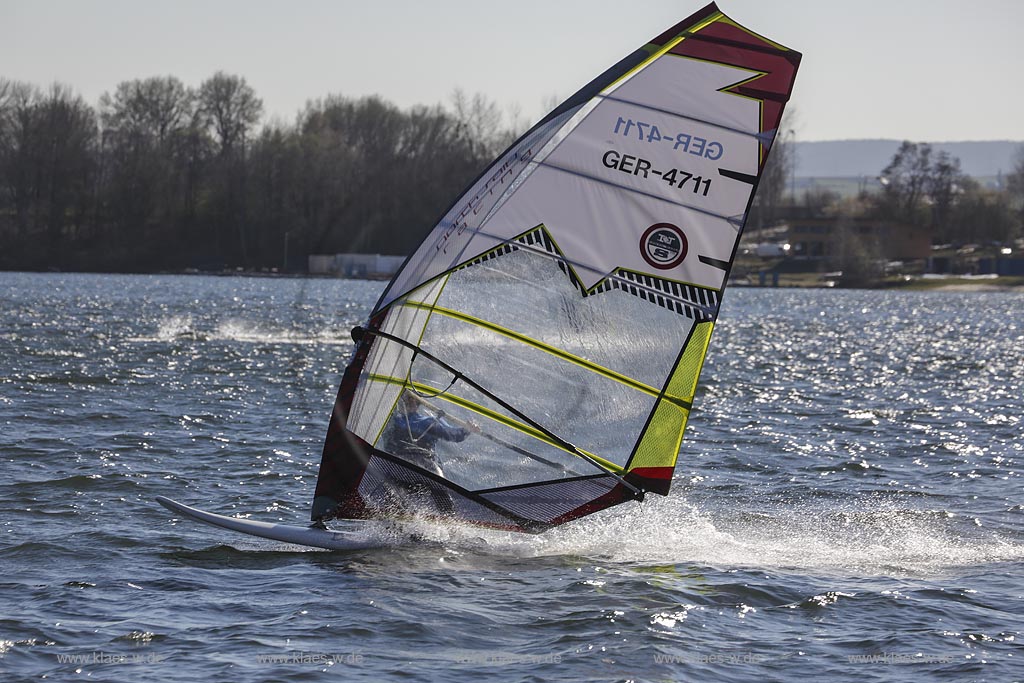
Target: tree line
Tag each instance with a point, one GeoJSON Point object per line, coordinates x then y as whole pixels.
{"type": "Point", "coordinates": [928, 189]}
{"type": "Point", "coordinates": [925, 189]}
{"type": "Point", "coordinates": [920, 195]}
{"type": "Point", "coordinates": [160, 175]}
{"type": "Point", "coordinates": [163, 176]}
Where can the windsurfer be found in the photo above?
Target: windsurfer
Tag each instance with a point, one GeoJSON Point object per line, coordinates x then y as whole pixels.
{"type": "Point", "coordinates": [413, 435]}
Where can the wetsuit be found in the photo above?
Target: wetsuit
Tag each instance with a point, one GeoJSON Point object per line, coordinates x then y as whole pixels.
{"type": "Point", "coordinates": [412, 438]}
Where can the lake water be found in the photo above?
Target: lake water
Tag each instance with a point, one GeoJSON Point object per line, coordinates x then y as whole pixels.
{"type": "Point", "coordinates": [848, 504]}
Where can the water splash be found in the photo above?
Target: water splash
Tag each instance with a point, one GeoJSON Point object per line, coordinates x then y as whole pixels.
{"type": "Point", "coordinates": [879, 539]}
{"type": "Point", "coordinates": [183, 328]}
{"type": "Point", "coordinates": [176, 328]}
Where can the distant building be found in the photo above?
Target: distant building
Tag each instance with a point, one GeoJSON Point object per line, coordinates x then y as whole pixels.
{"type": "Point", "coordinates": [1001, 265]}
{"type": "Point", "coordinates": [823, 238]}
{"type": "Point", "coordinates": [368, 266]}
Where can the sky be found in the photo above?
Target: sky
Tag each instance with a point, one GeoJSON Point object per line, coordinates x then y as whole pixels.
{"type": "Point", "coordinates": [921, 70]}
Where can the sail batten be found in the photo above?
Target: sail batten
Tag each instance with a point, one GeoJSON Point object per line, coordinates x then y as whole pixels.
{"type": "Point", "coordinates": [555, 320]}
{"type": "Point", "coordinates": [659, 110]}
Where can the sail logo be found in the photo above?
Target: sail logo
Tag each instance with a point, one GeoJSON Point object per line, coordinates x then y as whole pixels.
{"type": "Point", "coordinates": [663, 246]}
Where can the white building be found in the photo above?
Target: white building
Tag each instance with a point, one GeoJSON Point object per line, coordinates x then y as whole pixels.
{"type": "Point", "coordinates": [369, 266]}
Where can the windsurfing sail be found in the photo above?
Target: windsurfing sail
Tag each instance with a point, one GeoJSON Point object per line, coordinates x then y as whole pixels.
{"type": "Point", "coordinates": [553, 325]}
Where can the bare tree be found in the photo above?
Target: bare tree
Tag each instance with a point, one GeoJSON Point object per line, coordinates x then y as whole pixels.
{"type": "Point", "coordinates": [777, 175]}
{"type": "Point", "coordinates": [482, 123]}
{"type": "Point", "coordinates": [154, 107]}
{"type": "Point", "coordinates": [921, 188]}
{"type": "Point", "coordinates": [19, 165]}
{"type": "Point", "coordinates": [230, 107]}
{"type": "Point", "coordinates": [47, 164]}
{"type": "Point", "coordinates": [945, 181]}
{"type": "Point", "coordinates": [6, 104]}
{"type": "Point", "coordinates": [858, 253]}
{"type": "Point", "coordinates": [1015, 188]}
{"type": "Point", "coordinates": [144, 122]}
{"type": "Point", "coordinates": [906, 181]}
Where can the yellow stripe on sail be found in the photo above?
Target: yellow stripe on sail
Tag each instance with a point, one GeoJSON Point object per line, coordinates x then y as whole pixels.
{"type": "Point", "coordinates": [486, 412]}
{"type": "Point", "coordinates": [659, 444]}
{"type": "Point", "coordinates": [683, 401]}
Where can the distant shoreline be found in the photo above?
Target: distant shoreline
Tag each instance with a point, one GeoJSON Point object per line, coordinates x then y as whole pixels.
{"type": "Point", "coordinates": [950, 284]}
{"type": "Point", "coordinates": [971, 287]}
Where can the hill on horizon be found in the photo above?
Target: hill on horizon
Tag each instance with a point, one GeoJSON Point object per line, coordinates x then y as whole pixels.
{"type": "Point", "coordinates": [856, 158]}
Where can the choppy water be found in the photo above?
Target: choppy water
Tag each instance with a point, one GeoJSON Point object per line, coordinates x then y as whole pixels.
{"type": "Point", "coordinates": [849, 503]}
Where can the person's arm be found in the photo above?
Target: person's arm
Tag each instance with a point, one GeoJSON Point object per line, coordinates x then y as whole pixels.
{"type": "Point", "coordinates": [448, 431]}
{"type": "Point", "coordinates": [434, 428]}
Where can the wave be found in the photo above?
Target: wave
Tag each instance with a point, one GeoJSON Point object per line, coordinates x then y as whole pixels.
{"type": "Point", "coordinates": [883, 540]}
{"type": "Point", "coordinates": [184, 329]}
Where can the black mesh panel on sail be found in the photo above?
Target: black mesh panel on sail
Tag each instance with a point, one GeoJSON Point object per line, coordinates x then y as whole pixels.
{"type": "Point", "coordinates": [393, 488]}
{"type": "Point", "coordinates": [549, 502]}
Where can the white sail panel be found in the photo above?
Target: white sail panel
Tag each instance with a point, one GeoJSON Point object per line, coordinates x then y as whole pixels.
{"type": "Point", "coordinates": [454, 239]}
{"type": "Point", "coordinates": [696, 89]}
{"type": "Point", "coordinates": [632, 161]}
